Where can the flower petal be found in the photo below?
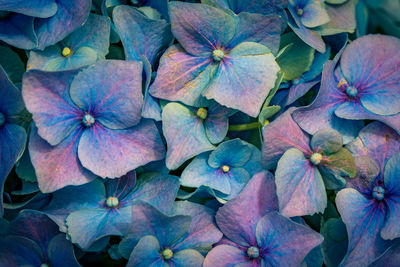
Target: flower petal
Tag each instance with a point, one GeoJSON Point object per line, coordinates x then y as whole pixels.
{"type": "Point", "coordinates": [113, 153]}
{"type": "Point", "coordinates": [140, 35]}
{"type": "Point", "coordinates": [61, 252]}
{"type": "Point", "coordinates": [369, 64]}
{"type": "Point", "coordinates": [70, 15]}
{"type": "Point", "coordinates": [18, 31]}
{"type": "Point", "coordinates": [363, 219]}
{"type": "Point", "coordinates": [326, 141]}
{"type": "Point", "coordinates": [111, 91]}
{"type": "Point", "coordinates": [38, 8]}
{"type": "Point", "coordinates": [299, 185]}
{"type": "Point", "coordinates": [256, 199]}
{"type": "Point", "coordinates": [233, 153]}
{"type": "Point", "coordinates": [199, 28]}
{"type": "Point", "coordinates": [146, 253]}
{"type": "Point", "coordinates": [181, 76]}
{"type": "Point", "coordinates": [284, 241]}
{"type": "Point", "coordinates": [280, 135]}
{"type": "Point", "coordinates": [236, 87]}
{"type": "Point", "coordinates": [314, 14]}
{"type": "Point", "coordinates": [225, 256]}
{"type": "Point", "coordinates": [185, 134]}
{"type": "Point", "coordinates": [46, 96]}
{"type": "Point", "coordinates": [187, 258]}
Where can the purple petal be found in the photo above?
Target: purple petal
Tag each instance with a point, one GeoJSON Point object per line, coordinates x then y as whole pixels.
{"type": "Point", "coordinates": [285, 243]}
{"type": "Point", "coordinates": [57, 166]}
{"type": "Point", "coordinates": [342, 18]}
{"type": "Point", "coordinates": [19, 251]}
{"type": "Point", "coordinates": [368, 64]}
{"type": "Point", "coordinates": [199, 28]}
{"type": "Point", "coordinates": [113, 153]}
{"type": "Point", "coordinates": [185, 80]}
{"type": "Point", "coordinates": [185, 134]}
{"type": "Point", "coordinates": [238, 218]}
{"type": "Point", "coordinates": [280, 135]}
{"type": "Point", "coordinates": [364, 219]}
{"type": "Point", "coordinates": [299, 185]}
{"type": "Point", "coordinates": [111, 91]}
{"type": "Point", "coordinates": [377, 141]}
{"type": "Point", "coordinates": [35, 226]}
{"type": "Point", "coordinates": [38, 8]}
{"type": "Point", "coordinates": [314, 14]}
{"type": "Point", "coordinates": [140, 35]}
{"type": "Point", "coordinates": [46, 96]}
{"type": "Point", "coordinates": [61, 252]}
{"type": "Point", "coordinates": [70, 15]}
{"type": "Point", "coordinates": [236, 87]}
{"type": "Point", "coordinates": [203, 231]}
{"type": "Point", "coordinates": [225, 256]}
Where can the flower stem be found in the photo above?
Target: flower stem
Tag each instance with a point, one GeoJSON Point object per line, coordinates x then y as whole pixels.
{"type": "Point", "coordinates": [243, 127]}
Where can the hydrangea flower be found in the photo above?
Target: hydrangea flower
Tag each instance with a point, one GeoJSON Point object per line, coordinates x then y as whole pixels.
{"type": "Point", "coordinates": [83, 47]}
{"type": "Point", "coordinates": [12, 136]}
{"type": "Point", "coordinates": [370, 206]}
{"type": "Point", "coordinates": [363, 86]}
{"type": "Point", "coordinates": [103, 209]}
{"type": "Point", "coordinates": [178, 239]}
{"type": "Point", "coordinates": [256, 234]}
{"type": "Point", "coordinates": [304, 166]}
{"type": "Point", "coordinates": [190, 131]}
{"type": "Point", "coordinates": [34, 240]}
{"type": "Point", "coordinates": [144, 39]}
{"type": "Point", "coordinates": [91, 118]}
{"type": "Point", "coordinates": [226, 170]}
{"type": "Point", "coordinates": [40, 23]}
{"type": "Point", "coordinates": [215, 52]}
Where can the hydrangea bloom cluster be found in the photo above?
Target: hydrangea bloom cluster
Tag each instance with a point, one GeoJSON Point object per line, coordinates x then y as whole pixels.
{"type": "Point", "coordinates": [199, 133]}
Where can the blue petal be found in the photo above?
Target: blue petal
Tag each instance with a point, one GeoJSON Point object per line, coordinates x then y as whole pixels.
{"type": "Point", "coordinates": [199, 173]}
{"type": "Point", "coordinates": [70, 15]}
{"type": "Point", "coordinates": [111, 91]}
{"type": "Point", "coordinates": [199, 28]}
{"type": "Point", "coordinates": [391, 229]}
{"type": "Point", "coordinates": [19, 251]}
{"type": "Point", "coordinates": [235, 86]}
{"type": "Point", "coordinates": [185, 134]}
{"type": "Point", "coordinates": [187, 258]}
{"type": "Point", "coordinates": [233, 153]}
{"type": "Point", "coordinates": [261, 6]}
{"type": "Point", "coordinates": [12, 143]}
{"type": "Point", "coordinates": [284, 241]}
{"type": "Point", "coordinates": [256, 199]}
{"type": "Point", "coordinates": [61, 252]}
{"type": "Point", "coordinates": [18, 31]}
{"type": "Point", "coordinates": [326, 141]}
{"type": "Point", "coordinates": [216, 123]}
{"type": "Point", "coordinates": [140, 35]}
{"type": "Point", "coordinates": [314, 14]}
{"type": "Point", "coordinates": [364, 220]}
{"type": "Point", "coordinates": [146, 253]}
{"type": "Point", "coordinates": [335, 242]}
{"type": "Point", "coordinates": [33, 8]}
{"type": "Point", "coordinates": [299, 185]}
{"type": "Point", "coordinates": [113, 153]}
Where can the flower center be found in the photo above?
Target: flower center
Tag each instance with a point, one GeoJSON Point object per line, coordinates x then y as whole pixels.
{"type": "Point", "coordinates": [218, 54]}
{"type": "Point", "coordinates": [351, 91]}
{"type": "Point", "coordinates": [66, 52]}
{"type": "Point", "coordinates": [299, 12]}
{"type": "Point", "coordinates": [2, 119]}
{"type": "Point", "coordinates": [316, 158]}
{"type": "Point", "coordinates": [253, 252]}
{"type": "Point", "coordinates": [167, 254]}
{"type": "Point", "coordinates": [112, 202]}
{"type": "Point", "coordinates": [378, 192]}
{"type": "Point", "coordinates": [225, 168]}
{"type": "Point", "coordinates": [88, 120]}
{"type": "Point", "coordinates": [202, 113]}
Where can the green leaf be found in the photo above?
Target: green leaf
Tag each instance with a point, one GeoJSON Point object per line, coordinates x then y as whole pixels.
{"type": "Point", "coordinates": [296, 59]}
{"type": "Point", "coordinates": [12, 64]}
